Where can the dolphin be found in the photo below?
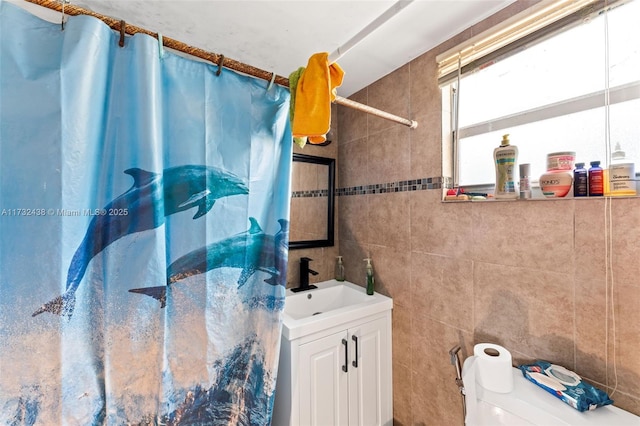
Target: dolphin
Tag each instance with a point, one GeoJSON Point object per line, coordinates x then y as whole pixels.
{"type": "Point", "coordinates": [144, 206]}
{"type": "Point", "coordinates": [251, 251]}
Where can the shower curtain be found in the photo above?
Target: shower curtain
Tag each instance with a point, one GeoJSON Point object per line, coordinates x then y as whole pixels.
{"type": "Point", "coordinates": [144, 206]}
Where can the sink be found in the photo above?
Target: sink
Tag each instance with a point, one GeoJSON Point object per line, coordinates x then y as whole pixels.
{"type": "Point", "coordinates": [331, 304]}
{"type": "Point", "coordinates": [324, 299]}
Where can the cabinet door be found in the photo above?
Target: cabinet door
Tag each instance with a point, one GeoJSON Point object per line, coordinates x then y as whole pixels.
{"type": "Point", "coordinates": [323, 381]}
{"type": "Point", "coordinates": [370, 375]}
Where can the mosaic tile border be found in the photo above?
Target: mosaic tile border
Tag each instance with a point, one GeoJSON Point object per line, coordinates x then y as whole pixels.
{"type": "Point", "coordinates": [422, 184]}
{"type": "Point", "coordinates": [310, 194]}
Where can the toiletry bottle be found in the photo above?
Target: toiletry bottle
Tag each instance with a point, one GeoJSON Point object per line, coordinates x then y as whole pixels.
{"type": "Point", "coordinates": [339, 269]}
{"type": "Point", "coordinates": [370, 279]}
{"type": "Point", "coordinates": [505, 157]}
{"type": "Point", "coordinates": [619, 179]}
{"type": "Point", "coordinates": [596, 181]}
{"type": "Point", "coordinates": [525, 183]}
{"type": "Point", "coordinates": [580, 181]}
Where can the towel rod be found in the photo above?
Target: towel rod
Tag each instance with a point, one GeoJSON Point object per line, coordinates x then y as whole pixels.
{"type": "Point", "coordinates": [213, 57]}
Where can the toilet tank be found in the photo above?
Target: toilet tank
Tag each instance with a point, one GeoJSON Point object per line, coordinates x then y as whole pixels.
{"type": "Point", "coordinates": [529, 404]}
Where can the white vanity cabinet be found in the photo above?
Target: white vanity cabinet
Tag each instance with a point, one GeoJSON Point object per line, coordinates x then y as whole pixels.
{"type": "Point", "coordinates": [340, 375]}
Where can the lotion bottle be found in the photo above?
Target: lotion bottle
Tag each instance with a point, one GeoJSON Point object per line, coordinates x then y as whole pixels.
{"type": "Point", "coordinates": [370, 279]}
{"type": "Point", "coordinates": [505, 158]}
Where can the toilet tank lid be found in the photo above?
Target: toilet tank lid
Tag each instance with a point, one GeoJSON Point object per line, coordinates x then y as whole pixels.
{"type": "Point", "coordinates": [537, 406]}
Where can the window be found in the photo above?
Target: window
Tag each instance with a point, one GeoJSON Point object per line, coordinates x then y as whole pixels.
{"type": "Point", "coordinates": [573, 85]}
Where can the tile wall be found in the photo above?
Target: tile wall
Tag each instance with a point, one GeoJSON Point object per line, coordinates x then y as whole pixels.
{"type": "Point", "coordinates": [529, 275]}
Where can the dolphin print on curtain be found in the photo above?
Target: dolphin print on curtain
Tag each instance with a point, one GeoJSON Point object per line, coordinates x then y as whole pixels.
{"type": "Point", "coordinates": [144, 206]}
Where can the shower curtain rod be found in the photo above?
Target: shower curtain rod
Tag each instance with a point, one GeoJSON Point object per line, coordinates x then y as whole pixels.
{"type": "Point", "coordinates": [229, 63]}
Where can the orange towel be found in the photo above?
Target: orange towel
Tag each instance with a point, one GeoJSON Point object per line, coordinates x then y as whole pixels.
{"type": "Point", "coordinates": [315, 91]}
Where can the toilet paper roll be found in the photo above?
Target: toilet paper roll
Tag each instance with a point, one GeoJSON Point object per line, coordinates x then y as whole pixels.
{"type": "Point", "coordinates": [493, 367]}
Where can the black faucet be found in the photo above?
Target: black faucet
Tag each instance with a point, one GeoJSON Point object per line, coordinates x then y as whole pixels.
{"type": "Point", "coordinates": [304, 275]}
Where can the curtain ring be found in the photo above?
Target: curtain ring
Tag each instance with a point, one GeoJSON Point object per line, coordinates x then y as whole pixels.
{"type": "Point", "coordinates": [160, 46]}
{"type": "Point", "coordinates": [220, 62]}
{"type": "Point", "coordinates": [62, 20]}
{"type": "Point", "coordinates": [273, 78]}
{"type": "Point", "coordinates": [122, 32]}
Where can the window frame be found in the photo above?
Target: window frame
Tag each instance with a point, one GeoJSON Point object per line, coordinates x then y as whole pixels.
{"type": "Point", "coordinates": [563, 21]}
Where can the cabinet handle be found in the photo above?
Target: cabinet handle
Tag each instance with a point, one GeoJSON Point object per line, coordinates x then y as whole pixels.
{"type": "Point", "coordinates": [345, 367]}
{"type": "Point", "coordinates": [355, 361]}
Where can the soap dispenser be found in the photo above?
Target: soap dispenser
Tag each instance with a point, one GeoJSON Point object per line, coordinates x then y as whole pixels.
{"type": "Point", "coordinates": [339, 269]}
{"type": "Point", "coordinates": [370, 279]}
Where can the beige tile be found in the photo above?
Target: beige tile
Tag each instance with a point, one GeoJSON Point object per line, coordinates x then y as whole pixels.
{"type": "Point", "coordinates": [352, 168]}
{"type": "Point", "coordinates": [390, 94]}
{"type": "Point", "coordinates": [517, 358]}
{"type": "Point", "coordinates": [392, 273]}
{"type": "Point", "coordinates": [297, 178]}
{"type": "Point", "coordinates": [436, 399]}
{"type": "Point", "coordinates": [295, 231]}
{"type": "Point", "coordinates": [623, 400]}
{"type": "Point", "coordinates": [329, 255]}
{"type": "Point", "coordinates": [292, 270]}
{"type": "Point", "coordinates": [389, 220]}
{"type": "Point", "coordinates": [435, 395]}
{"type": "Point", "coordinates": [402, 354]}
{"type": "Point", "coordinates": [625, 231]}
{"type": "Point", "coordinates": [309, 220]}
{"type": "Point", "coordinates": [589, 248]}
{"type": "Point", "coordinates": [425, 93]}
{"type": "Point", "coordinates": [453, 41]}
{"type": "Point", "coordinates": [591, 326]}
{"type": "Point", "coordinates": [354, 218]}
{"type": "Point", "coordinates": [352, 253]}
{"type": "Point", "coordinates": [625, 356]}
{"type": "Point", "coordinates": [442, 289]}
{"type": "Point", "coordinates": [590, 295]}
{"type": "Point", "coordinates": [534, 234]}
{"type": "Point", "coordinates": [440, 228]}
{"type": "Point", "coordinates": [426, 147]}
{"type": "Point", "coordinates": [352, 124]}
{"type": "Point", "coordinates": [389, 155]}
{"type": "Point", "coordinates": [401, 395]}
{"type": "Point", "coordinates": [525, 310]}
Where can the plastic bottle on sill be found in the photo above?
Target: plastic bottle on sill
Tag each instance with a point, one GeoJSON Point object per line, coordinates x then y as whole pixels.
{"type": "Point", "coordinates": [596, 180]}
{"type": "Point", "coordinates": [505, 158]}
{"type": "Point", "coordinates": [525, 182]}
{"type": "Point", "coordinates": [619, 179]}
{"type": "Point", "coordinates": [580, 181]}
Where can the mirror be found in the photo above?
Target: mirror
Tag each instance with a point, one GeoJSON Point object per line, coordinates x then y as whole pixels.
{"type": "Point", "coordinates": [312, 202]}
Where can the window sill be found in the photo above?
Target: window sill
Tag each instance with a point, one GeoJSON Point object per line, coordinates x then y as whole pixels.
{"type": "Point", "coordinates": [536, 195]}
{"type": "Point", "coordinates": [526, 200]}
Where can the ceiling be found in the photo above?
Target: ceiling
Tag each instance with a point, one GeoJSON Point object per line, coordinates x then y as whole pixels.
{"type": "Point", "coordinates": [280, 36]}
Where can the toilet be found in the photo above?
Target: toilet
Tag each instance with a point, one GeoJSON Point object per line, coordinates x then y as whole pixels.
{"type": "Point", "coordinates": [528, 404]}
